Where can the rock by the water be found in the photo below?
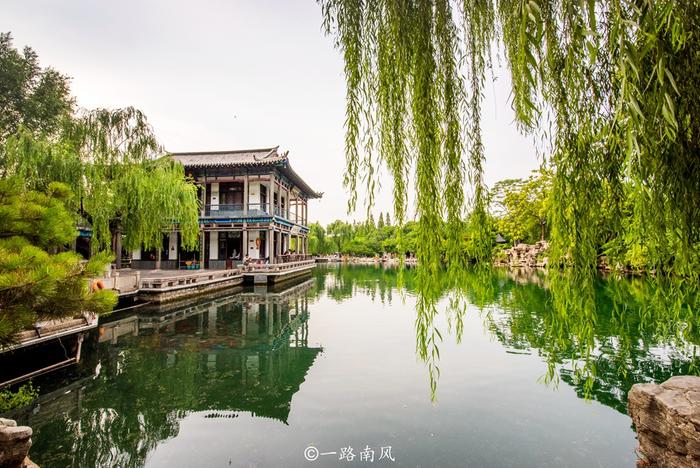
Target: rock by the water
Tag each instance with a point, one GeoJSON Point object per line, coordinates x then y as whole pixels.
{"type": "Point", "coordinates": [525, 255]}
{"type": "Point", "coordinates": [667, 418]}
{"type": "Point", "coordinates": [14, 444]}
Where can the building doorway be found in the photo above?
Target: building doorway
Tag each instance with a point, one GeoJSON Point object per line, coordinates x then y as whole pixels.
{"type": "Point", "coordinates": [231, 247]}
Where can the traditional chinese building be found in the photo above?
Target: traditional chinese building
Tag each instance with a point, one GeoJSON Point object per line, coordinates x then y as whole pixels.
{"type": "Point", "coordinates": [253, 205]}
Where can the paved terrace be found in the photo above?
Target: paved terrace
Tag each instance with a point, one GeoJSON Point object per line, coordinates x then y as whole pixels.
{"type": "Point", "coordinates": [128, 281]}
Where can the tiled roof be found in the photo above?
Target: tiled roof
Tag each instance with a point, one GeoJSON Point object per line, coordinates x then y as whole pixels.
{"type": "Point", "coordinates": [251, 157]}
{"type": "Point", "coordinates": [246, 158]}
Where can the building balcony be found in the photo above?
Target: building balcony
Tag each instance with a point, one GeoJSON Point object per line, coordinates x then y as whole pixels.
{"type": "Point", "coordinates": [255, 210]}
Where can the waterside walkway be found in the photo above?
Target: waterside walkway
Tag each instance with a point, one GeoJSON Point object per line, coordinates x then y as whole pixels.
{"type": "Point", "coordinates": [167, 285]}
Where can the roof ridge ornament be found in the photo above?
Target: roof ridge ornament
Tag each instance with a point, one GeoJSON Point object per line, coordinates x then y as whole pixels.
{"type": "Point", "coordinates": [272, 152]}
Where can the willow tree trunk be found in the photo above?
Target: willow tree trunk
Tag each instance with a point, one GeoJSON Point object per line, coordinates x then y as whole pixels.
{"type": "Point", "coordinates": [117, 244]}
{"type": "Point", "coordinates": [542, 224]}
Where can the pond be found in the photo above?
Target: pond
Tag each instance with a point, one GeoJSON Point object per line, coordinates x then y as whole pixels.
{"type": "Point", "coordinates": [364, 366]}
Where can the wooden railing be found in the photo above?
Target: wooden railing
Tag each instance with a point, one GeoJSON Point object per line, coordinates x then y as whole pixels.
{"type": "Point", "coordinates": [275, 267]}
{"type": "Point", "coordinates": [291, 258]}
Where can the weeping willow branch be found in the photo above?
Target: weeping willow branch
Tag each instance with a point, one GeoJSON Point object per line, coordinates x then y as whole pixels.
{"type": "Point", "coordinates": [122, 186]}
{"type": "Point", "coordinates": [615, 78]}
{"type": "Point", "coordinates": [612, 86]}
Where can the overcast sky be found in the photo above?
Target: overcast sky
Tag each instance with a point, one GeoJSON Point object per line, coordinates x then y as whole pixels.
{"type": "Point", "coordinates": [225, 74]}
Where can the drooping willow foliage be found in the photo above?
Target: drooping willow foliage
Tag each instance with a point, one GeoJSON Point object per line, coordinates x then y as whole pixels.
{"type": "Point", "coordinates": [611, 85]}
{"type": "Point", "coordinates": [109, 158]}
{"type": "Point", "coordinates": [130, 189]}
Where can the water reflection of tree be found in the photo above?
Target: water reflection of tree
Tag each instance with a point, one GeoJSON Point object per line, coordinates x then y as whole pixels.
{"type": "Point", "coordinates": [377, 282]}
{"type": "Point", "coordinates": [599, 335]}
{"type": "Point", "coordinates": [223, 362]}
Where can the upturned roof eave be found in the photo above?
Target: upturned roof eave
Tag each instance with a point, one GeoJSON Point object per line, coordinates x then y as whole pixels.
{"type": "Point", "coordinates": [270, 158]}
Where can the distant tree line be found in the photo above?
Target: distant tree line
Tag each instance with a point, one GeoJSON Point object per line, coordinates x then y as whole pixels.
{"type": "Point", "coordinates": [363, 239]}
{"type": "Point", "coordinates": [519, 211]}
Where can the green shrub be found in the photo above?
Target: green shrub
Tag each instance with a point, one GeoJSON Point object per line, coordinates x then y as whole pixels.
{"type": "Point", "coordinates": [22, 397]}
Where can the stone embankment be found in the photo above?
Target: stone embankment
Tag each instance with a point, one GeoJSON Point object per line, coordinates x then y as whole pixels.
{"type": "Point", "coordinates": [14, 445]}
{"type": "Point", "coordinates": [524, 255]}
{"type": "Point", "coordinates": [667, 418]}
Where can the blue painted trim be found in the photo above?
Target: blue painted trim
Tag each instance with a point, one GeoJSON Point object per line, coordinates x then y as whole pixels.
{"type": "Point", "coordinates": [210, 220]}
{"type": "Point", "coordinates": [276, 219]}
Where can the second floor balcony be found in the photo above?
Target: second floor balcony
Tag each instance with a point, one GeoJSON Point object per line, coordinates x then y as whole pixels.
{"type": "Point", "coordinates": [255, 210]}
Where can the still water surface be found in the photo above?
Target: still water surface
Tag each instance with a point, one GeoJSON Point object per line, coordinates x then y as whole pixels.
{"type": "Point", "coordinates": [347, 358]}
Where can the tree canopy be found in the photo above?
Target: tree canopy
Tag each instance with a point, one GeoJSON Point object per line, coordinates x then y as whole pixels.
{"type": "Point", "coordinates": [60, 167]}
{"type": "Point", "coordinates": [30, 96]}
{"type": "Point", "coordinates": [124, 186]}
{"type": "Point", "coordinates": [610, 86]}
{"type": "Point", "coordinates": [521, 206]}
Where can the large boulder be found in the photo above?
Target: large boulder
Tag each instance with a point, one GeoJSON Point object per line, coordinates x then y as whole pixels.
{"type": "Point", "coordinates": [667, 418]}
{"type": "Point", "coordinates": [526, 255]}
{"type": "Point", "coordinates": [14, 444]}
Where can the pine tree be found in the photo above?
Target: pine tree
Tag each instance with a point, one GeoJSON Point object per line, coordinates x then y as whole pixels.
{"type": "Point", "coordinates": [380, 223]}
{"type": "Point", "coordinates": [37, 281]}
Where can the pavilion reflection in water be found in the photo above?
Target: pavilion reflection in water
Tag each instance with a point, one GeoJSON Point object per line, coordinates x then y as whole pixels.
{"type": "Point", "coordinates": [245, 353]}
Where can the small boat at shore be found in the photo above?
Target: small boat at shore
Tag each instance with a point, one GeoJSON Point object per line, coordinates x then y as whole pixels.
{"type": "Point", "coordinates": [49, 346]}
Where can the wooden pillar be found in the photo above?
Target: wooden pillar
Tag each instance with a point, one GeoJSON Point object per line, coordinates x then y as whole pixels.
{"type": "Point", "coordinates": [296, 211]}
{"type": "Point", "coordinates": [301, 212]}
{"type": "Point", "coordinates": [271, 195]}
{"type": "Point", "coordinates": [278, 186]}
{"type": "Point", "coordinates": [244, 252]}
{"type": "Point", "coordinates": [203, 199]}
{"type": "Point", "coordinates": [268, 249]}
{"type": "Point", "coordinates": [245, 198]}
{"type": "Point", "coordinates": [287, 206]}
{"type": "Point", "coordinates": [201, 249]}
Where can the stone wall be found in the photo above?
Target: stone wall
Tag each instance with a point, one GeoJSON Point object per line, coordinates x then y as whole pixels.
{"type": "Point", "coordinates": [667, 418]}
{"type": "Point", "coordinates": [174, 293]}
{"type": "Point", "coordinates": [14, 444]}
